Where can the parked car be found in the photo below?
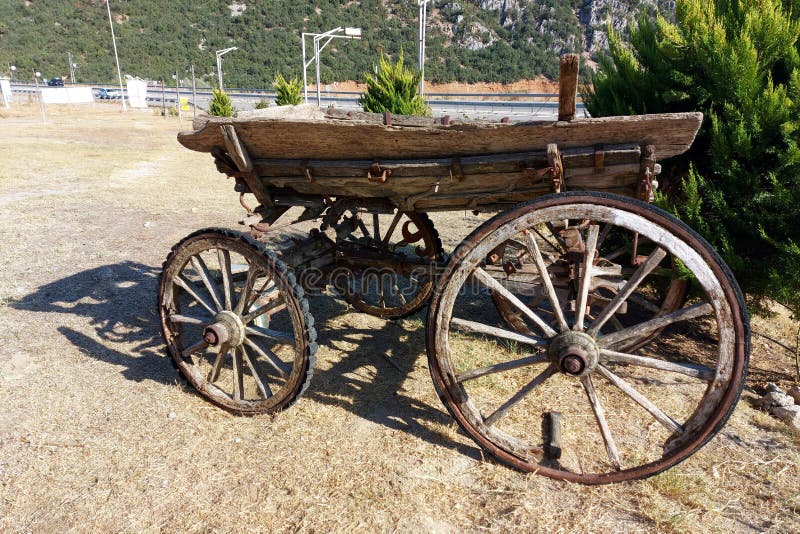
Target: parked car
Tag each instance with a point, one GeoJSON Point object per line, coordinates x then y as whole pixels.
{"type": "Point", "coordinates": [56, 82]}
{"type": "Point", "coordinates": [106, 94]}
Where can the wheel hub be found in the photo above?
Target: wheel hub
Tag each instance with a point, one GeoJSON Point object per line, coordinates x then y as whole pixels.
{"type": "Point", "coordinates": [575, 353]}
{"type": "Point", "coordinates": [227, 328]}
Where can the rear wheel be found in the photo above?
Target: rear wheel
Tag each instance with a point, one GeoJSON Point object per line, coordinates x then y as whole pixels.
{"type": "Point", "coordinates": [579, 396]}
{"type": "Point", "coordinates": [389, 260]}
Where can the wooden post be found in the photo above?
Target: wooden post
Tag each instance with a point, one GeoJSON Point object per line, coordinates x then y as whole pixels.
{"type": "Point", "coordinates": [568, 86]}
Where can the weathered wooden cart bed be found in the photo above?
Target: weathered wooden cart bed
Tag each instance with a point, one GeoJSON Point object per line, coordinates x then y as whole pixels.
{"type": "Point", "coordinates": [581, 333]}
{"type": "Point", "coordinates": [434, 166]}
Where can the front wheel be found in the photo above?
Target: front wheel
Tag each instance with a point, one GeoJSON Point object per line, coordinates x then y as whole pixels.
{"type": "Point", "coordinates": [578, 396]}
{"type": "Point", "coordinates": [236, 322]}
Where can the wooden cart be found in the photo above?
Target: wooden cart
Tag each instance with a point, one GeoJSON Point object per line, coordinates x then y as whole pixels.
{"type": "Point", "coordinates": [581, 333]}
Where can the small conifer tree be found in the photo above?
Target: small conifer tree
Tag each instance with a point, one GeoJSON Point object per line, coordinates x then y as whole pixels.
{"type": "Point", "coordinates": [394, 89]}
{"type": "Point", "coordinates": [221, 104]}
{"type": "Point", "coordinates": [288, 91]}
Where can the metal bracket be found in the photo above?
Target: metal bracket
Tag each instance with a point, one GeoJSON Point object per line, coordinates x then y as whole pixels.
{"type": "Point", "coordinates": [556, 166]}
{"type": "Point", "coordinates": [306, 171]}
{"type": "Point", "coordinates": [377, 174]}
{"type": "Point", "coordinates": [599, 159]}
{"type": "Point", "coordinates": [456, 171]}
{"type": "Point", "coordinates": [647, 170]}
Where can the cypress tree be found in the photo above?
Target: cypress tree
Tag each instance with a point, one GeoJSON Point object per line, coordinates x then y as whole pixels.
{"type": "Point", "coordinates": [737, 61]}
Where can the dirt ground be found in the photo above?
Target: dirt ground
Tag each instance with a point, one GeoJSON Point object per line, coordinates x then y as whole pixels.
{"type": "Point", "coordinates": [99, 433]}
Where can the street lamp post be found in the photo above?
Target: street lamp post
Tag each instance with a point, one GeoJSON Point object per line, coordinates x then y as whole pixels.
{"type": "Point", "coordinates": [116, 57]}
{"type": "Point", "coordinates": [36, 75]}
{"type": "Point", "coordinates": [72, 67]}
{"type": "Point", "coordinates": [327, 37]}
{"type": "Point", "coordinates": [221, 53]}
{"type": "Point", "coordinates": [423, 19]}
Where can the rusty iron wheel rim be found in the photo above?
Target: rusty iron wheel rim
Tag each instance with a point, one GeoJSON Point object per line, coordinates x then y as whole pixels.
{"type": "Point", "coordinates": [716, 390]}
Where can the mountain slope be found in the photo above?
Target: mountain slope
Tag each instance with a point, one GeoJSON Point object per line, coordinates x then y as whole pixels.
{"type": "Point", "coordinates": [475, 40]}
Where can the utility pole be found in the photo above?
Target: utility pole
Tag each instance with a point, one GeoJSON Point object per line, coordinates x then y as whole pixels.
{"type": "Point", "coordinates": [178, 95]}
{"type": "Point", "coordinates": [194, 95]}
{"type": "Point", "coordinates": [36, 75]}
{"type": "Point", "coordinates": [116, 56]}
{"type": "Point", "coordinates": [423, 22]}
{"type": "Point", "coordinates": [72, 66]}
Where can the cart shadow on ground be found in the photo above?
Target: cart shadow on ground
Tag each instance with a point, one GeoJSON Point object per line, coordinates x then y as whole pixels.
{"type": "Point", "coordinates": [119, 300]}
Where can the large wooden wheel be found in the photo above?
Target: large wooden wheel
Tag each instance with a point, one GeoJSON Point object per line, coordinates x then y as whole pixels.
{"type": "Point", "coordinates": [389, 262]}
{"type": "Point", "coordinates": [579, 397]}
{"type": "Point", "coordinates": [236, 322]}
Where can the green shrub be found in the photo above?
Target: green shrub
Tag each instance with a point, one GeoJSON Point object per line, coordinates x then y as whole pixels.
{"type": "Point", "coordinates": [221, 105]}
{"type": "Point", "coordinates": [288, 91]}
{"type": "Point", "coordinates": [738, 62]}
{"type": "Point", "coordinates": [263, 103]}
{"type": "Point", "coordinates": [394, 89]}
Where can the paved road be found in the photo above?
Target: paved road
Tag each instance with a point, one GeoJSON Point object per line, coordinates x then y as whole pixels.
{"type": "Point", "coordinates": [518, 106]}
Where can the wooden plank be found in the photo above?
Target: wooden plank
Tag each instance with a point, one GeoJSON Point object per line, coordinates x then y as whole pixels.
{"type": "Point", "coordinates": [568, 86]}
{"type": "Point", "coordinates": [265, 138]}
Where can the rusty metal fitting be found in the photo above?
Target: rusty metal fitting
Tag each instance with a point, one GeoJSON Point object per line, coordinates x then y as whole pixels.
{"type": "Point", "coordinates": [215, 334]}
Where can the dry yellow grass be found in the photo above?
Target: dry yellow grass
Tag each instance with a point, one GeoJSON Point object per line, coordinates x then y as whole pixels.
{"type": "Point", "coordinates": [99, 433]}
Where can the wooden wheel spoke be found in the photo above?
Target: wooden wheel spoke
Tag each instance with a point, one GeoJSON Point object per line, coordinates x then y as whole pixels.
{"type": "Point", "coordinates": [202, 271]}
{"type": "Point", "coordinates": [279, 365]}
{"type": "Point", "coordinates": [533, 250]}
{"type": "Point", "coordinates": [247, 290]}
{"type": "Point", "coordinates": [197, 347]}
{"type": "Point", "coordinates": [492, 284]}
{"type": "Point", "coordinates": [641, 273]}
{"type": "Point", "coordinates": [263, 388]}
{"type": "Point", "coordinates": [527, 388]}
{"type": "Point", "coordinates": [479, 328]}
{"type": "Point", "coordinates": [363, 228]}
{"type": "Point", "coordinates": [224, 257]}
{"type": "Point", "coordinates": [275, 305]}
{"type": "Point", "coordinates": [616, 323]}
{"type": "Point", "coordinates": [183, 284]}
{"type": "Point", "coordinates": [586, 277]}
{"type": "Point", "coordinates": [685, 314]}
{"type": "Point", "coordinates": [560, 240]}
{"type": "Point", "coordinates": [500, 367]}
{"type": "Point", "coordinates": [644, 303]}
{"type": "Point", "coordinates": [213, 374]}
{"type": "Point", "coordinates": [392, 227]}
{"type": "Point", "coordinates": [617, 253]}
{"type": "Point", "coordinates": [693, 370]}
{"type": "Point", "coordinates": [185, 319]}
{"type": "Point", "coordinates": [380, 289]}
{"type": "Point", "coordinates": [550, 243]}
{"type": "Point", "coordinates": [376, 228]}
{"type": "Point", "coordinates": [269, 333]}
{"type": "Point", "coordinates": [668, 422]}
{"type": "Point", "coordinates": [396, 288]}
{"type": "Point", "coordinates": [238, 374]}
{"type": "Point", "coordinates": [600, 416]}
{"type": "Point", "coordinates": [603, 235]}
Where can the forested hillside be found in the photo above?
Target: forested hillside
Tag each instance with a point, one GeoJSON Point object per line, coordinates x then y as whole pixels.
{"type": "Point", "coordinates": [468, 40]}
